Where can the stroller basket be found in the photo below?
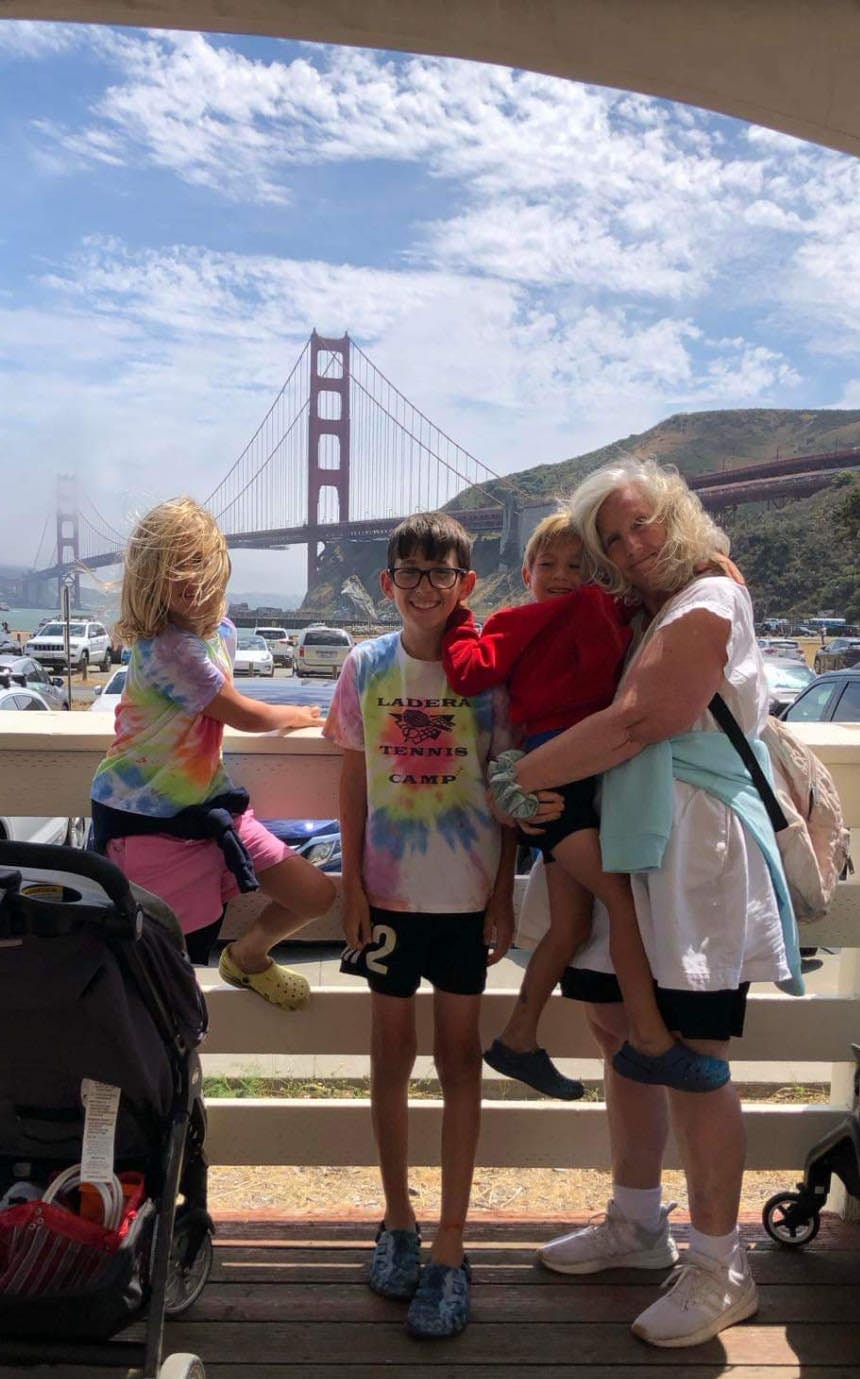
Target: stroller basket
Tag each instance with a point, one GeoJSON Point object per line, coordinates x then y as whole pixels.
{"type": "Point", "coordinates": [95, 984]}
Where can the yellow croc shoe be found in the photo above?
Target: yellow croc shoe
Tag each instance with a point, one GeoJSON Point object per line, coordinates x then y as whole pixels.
{"type": "Point", "coordinates": [280, 986]}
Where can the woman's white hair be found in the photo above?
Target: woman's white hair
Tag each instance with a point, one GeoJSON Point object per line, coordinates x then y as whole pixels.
{"type": "Point", "coordinates": [692, 537]}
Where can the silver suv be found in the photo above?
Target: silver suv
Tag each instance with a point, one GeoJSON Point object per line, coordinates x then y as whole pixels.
{"type": "Point", "coordinates": [322, 650]}
{"type": "Point", "coordinates": [89, 644]}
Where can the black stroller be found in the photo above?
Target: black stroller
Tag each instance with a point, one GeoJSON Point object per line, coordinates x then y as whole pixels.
{"type": "Point", "coordinates": [793, 1218]}
{"type": "Point", "coordinates": [95, 984]}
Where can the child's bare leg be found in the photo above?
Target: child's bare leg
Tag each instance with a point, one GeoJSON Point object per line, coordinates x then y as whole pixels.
{"type": "Point", "coordinates": [299, 892]}
{"type": "Point", "coordinates": [457, 1051]}
{"type": "Point", "coordinates": [393, 1046]}
{"type": "Point", "coordinates": [579, 855]}
{"type": "Point", "coordinates": [569, 926]}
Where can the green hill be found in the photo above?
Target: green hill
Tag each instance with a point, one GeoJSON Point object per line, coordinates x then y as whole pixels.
{"type": "Point", "coordinates": [799, 559]}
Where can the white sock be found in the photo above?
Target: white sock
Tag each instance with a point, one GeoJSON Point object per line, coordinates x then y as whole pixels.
{"type": "Point", "coordinates": [722, 1248]}
{"type": "Point", "coordinates": [639, 1204]}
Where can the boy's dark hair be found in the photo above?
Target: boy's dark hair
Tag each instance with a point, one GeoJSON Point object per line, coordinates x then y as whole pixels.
{"type": "Point", "coordinates": [434, 535]}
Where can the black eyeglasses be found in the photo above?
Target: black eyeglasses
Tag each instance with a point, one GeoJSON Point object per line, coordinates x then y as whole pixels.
{"type": "Point", "coordinates": [439, 577]}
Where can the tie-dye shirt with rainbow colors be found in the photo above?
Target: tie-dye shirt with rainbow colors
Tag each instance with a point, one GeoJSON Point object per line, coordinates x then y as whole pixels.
{"type": "Point", "coordinates": [431, 844]}
{"type": "Point", "coordinates": [166, 754]}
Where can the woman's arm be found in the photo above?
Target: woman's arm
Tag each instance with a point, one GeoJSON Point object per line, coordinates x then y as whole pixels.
{"type": "Point", "coordinates": [250, 716]}
{"type": "Point", "coordinates": [670, 686]}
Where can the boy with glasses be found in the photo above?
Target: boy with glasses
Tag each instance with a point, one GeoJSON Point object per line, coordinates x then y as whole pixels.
{"type": "Point", "coordinates": [427, 892]}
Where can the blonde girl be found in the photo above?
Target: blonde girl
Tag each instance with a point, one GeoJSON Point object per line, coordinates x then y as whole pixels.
{"type": "Point", "coordinates": [164, 809]}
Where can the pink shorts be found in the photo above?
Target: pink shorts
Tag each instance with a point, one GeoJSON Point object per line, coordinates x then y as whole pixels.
{"type": "Point", "coordinates": [190, 874]}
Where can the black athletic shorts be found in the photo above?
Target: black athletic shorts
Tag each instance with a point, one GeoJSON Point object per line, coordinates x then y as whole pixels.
{"type": "Point", "coordinates": [692, 1014]}
{"type": "Point", "coordinates": [448, 950]}
{"type": "Point", "coordinates": [578, 810]}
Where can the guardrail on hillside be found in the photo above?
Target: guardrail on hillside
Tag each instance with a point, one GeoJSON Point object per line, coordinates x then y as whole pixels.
{"type": "Point", "coordinates": [47, 769]}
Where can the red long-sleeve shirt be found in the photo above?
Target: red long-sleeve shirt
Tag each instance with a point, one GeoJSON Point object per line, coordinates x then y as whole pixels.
{"type": "Point", "coordinates": [561, 658]}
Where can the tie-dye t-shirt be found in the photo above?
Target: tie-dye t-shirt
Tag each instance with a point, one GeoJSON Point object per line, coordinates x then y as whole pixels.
{"type": "Point", "coordinates": [431, 844]}
{"type": "Point", "coordinates": [166, 753]}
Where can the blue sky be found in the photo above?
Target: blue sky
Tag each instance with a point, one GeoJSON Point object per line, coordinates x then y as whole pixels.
{"type": "Point", "coordinates": [541, 266]}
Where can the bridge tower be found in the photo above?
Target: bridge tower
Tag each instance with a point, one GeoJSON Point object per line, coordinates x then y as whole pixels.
{"type": "Point", "coordinates": [68, 541]}
{"type": "Point", "coordinates": [328, 461]}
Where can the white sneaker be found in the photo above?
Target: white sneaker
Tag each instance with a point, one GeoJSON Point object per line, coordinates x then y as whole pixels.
{"type": "Point", "coordinates": [613, 1243]}
{"type": "Point", "coordinates": [704, 1298]}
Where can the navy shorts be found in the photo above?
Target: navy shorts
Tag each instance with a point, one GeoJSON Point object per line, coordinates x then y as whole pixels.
{"type": "Point", "coordinates": [692, 1014]}
{"type": "Point", "coordinates": [578, 810]}
{"type": "Point", "coordinates": [448, 950]}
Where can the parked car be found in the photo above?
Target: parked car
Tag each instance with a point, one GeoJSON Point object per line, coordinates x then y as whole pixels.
{"type": "Point", "coordinates": [316, 839]}
{"type": "Point", "coordinates": [786, 648]}
{"type": "Point", "coordinates": [322, 651]}
{"type": "Point", "coordinates": [108, 695]}
{"type": "Point", "coordinates": [89, 644]}
{"type": "Point", "coordinates": [833, 698]}
{"type": "Point", "coordinates": [26, 829]}
{"type": "Point", "coordinates": [277, 639]}
{"type": "Point", "coordinates": [23, 670]}
{"type": "Point", "coordinates": [839, 654]}
{"type": "Point", "coordinates": [785, 680]}
{"type": "Point", "coordinates": [253, 657]}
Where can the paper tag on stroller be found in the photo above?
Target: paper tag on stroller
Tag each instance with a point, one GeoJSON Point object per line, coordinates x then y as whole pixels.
{"type": "Point", "coordinates": [101, 1104]}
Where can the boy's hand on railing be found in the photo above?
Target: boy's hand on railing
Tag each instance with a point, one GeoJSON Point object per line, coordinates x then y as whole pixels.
{"type": "Point", "coordinates": [355, 917]}
{"type": "Point", "coordinates": [302, 716]}
{"type": "Point", "coordinates": [499, 925]}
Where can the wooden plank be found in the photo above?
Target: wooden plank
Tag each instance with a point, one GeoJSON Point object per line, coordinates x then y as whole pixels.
{"type": "Point", "coordinates": [270, 1226]}
{"type": "Point", "coordinates": [542, 1135]}
{"type": "Point", "coordinates": [781, 1304]}
{"type": "Point", "coordinates": [841, 928]}
{"type": "Point", "coordinates": [491, 1343]}
{"type": "Point", "coordinates": [337, 1021]}
{"type": "Point", "coordinates": [509, 1266]}
{"type": "Point", "coordinates": [248, 1368]}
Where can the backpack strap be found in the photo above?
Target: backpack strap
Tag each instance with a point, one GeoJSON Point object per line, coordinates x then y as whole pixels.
{"type": "Point", "coordinates": [733, 731]}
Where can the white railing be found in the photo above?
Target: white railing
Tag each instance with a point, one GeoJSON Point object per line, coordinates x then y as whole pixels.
{"type": "Point", "coordinates": [46, 768]}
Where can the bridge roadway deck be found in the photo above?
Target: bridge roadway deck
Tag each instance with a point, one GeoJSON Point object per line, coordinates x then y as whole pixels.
{"type": "Point", "coordinates": [289, 1298]}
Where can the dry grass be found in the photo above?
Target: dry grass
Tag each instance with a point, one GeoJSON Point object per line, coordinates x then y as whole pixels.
{"type": "Point", "coordinates": [527, 1192]}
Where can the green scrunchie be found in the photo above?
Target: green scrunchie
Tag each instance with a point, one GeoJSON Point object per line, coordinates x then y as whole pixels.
{"type": "Point", "coordinates": [509, 797]}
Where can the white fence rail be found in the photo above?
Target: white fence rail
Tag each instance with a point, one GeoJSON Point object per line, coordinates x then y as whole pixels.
{"type": "Point", "coordinates": [47, 769]}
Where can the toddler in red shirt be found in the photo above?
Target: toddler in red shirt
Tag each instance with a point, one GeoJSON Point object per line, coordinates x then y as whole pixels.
{"type": "Point", "coordinates": [561, 658]}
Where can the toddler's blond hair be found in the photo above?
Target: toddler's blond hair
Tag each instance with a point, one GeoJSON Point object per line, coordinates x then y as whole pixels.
{"type": "Point", "coordinates": [177, 542]}
{"type": "Point", "coordinates": [557, 526]}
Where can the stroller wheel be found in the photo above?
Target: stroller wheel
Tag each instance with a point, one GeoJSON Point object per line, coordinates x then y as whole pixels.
{"type": "Point", "coordinates": [182, 1367]}
{"type": "Point", "coordinates": [185, 1282]}
{"type": "Point", "coordinates": [789, 1221]}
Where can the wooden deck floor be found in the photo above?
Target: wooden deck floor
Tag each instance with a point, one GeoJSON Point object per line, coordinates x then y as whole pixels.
{"type": "Point", "coordinates": [288, 1299]}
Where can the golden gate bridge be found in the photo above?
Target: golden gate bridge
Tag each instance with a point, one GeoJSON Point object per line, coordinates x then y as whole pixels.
{"type": "Point", "coordinates": [343, 455]}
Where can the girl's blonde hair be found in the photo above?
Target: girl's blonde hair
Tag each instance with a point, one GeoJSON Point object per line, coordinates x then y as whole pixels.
{"type": "Point", "coordinates": [177, 543]}
{"type": "Point", "coordinates": [693, 539]}
{"type": "Point", "coordinates": [558, 526]}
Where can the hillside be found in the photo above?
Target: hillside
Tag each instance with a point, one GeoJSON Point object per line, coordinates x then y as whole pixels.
{"type": "Point", "coordinates": [799, 559]}
{"type": "Point", "coordinates": [696, 442]}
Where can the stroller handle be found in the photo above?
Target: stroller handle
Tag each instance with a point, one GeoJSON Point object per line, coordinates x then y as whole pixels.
{"type": "Point", "coordinates": [48, 857]}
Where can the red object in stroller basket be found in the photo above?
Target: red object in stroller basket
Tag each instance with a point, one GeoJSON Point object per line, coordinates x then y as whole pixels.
{"type": "Point", "coordinates": [46, 1248]}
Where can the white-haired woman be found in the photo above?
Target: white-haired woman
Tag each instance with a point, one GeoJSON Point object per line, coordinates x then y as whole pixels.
{"type": "Point", "coordinates": [708, 911]}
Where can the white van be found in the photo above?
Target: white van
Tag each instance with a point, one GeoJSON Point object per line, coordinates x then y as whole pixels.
{"type": "Point", "coordinates": [322, 650]}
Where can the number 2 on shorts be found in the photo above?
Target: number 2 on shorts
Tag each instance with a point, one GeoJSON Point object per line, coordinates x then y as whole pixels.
{"type": "Point", "coordinates": [386, 938]}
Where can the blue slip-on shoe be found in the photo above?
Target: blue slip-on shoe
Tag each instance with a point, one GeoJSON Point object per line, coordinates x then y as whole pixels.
{"type": "Point", "coordinates": [679, 1067]}
{"type": "Point", "coordinates": [441, 1304]}
{"type": "Point", "coordinates": [396, 1264]}
{"type": "Point", "coordinates": [535, 1068]}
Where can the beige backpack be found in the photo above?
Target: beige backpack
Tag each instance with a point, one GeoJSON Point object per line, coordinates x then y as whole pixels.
{"type": "Point", "coordinates": [804, 809]}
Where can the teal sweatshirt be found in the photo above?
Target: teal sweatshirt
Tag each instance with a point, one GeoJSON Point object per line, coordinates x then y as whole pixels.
{"type": "Point", "coordinates": [637, 804]}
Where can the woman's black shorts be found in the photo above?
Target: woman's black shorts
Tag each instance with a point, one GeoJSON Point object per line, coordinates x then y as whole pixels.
{"type": "Point", "coordinates": [692, 1014]}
